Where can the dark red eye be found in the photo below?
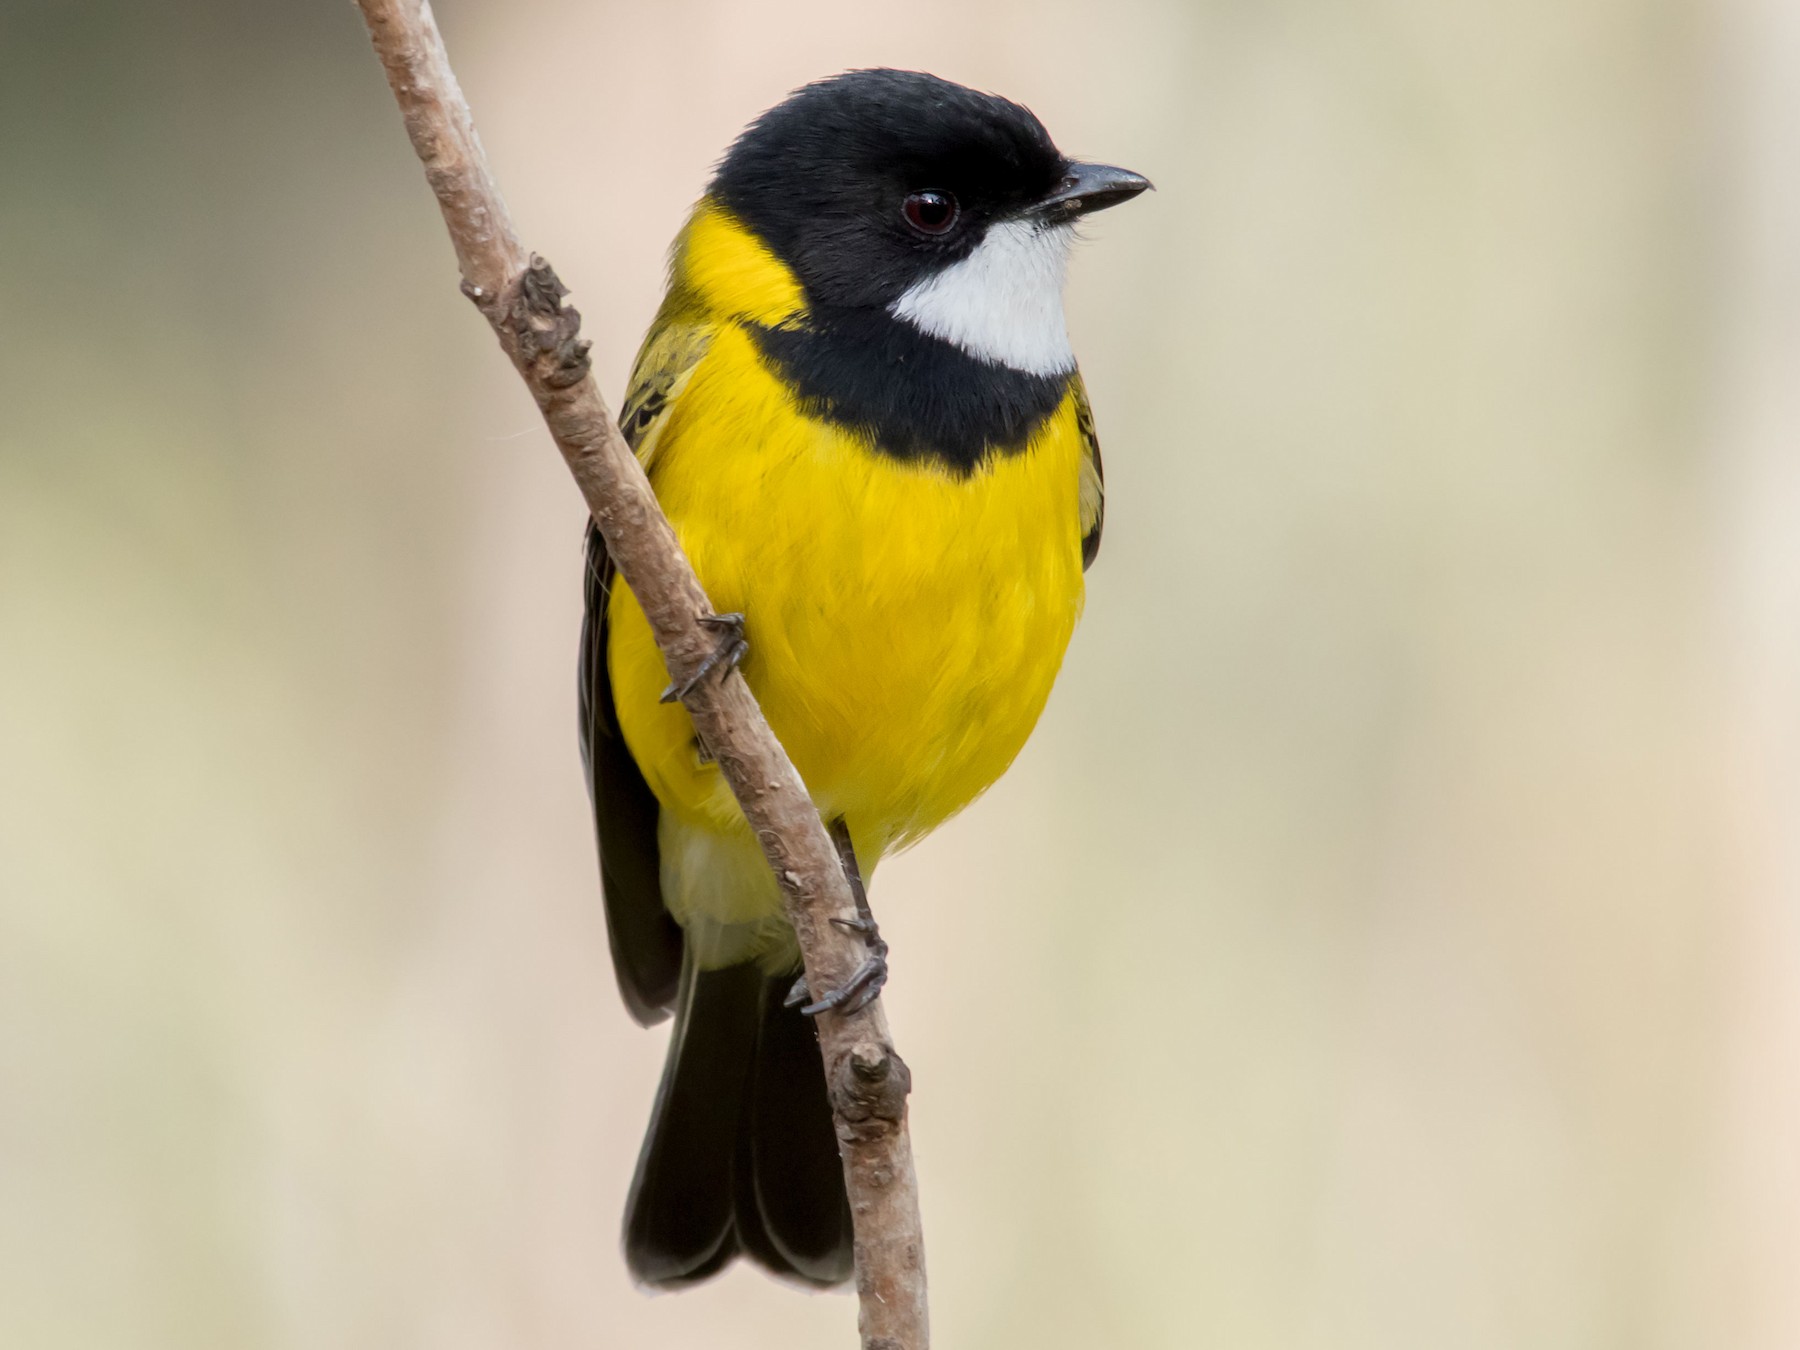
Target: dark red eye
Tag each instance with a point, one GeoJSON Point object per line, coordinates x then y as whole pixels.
{"type": "Point", "coordinates": [930, 212]}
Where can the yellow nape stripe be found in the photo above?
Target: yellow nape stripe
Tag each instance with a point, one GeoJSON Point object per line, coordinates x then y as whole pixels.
{"type": "Point", "coordinates": [732, 271]}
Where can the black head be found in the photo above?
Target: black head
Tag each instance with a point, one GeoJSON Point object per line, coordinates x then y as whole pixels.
{"type": "Point", "coordinates": [867, 181]}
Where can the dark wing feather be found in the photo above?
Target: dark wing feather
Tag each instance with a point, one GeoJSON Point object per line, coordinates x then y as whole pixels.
{"type": "Point", "coordinates": [646, 942]}
{"type": "Point", "coordinates": [1093, 478]}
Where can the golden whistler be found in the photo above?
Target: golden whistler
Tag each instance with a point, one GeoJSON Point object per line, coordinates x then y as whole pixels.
{"type": "Point", "coordinates": [859, 408]}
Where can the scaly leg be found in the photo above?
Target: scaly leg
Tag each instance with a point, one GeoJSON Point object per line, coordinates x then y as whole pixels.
{"type": "Point", "coordinates": [866, 980]}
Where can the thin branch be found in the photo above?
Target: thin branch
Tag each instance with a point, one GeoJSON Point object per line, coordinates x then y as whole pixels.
{"type": "Point", "coordinates": [522, 299]}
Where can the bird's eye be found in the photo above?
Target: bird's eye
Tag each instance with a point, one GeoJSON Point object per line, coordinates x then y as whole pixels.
{"type": "Point", "coordinates": [930, 212]}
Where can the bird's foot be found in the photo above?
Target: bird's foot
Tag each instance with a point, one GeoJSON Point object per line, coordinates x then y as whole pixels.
{"type": "Point", "coordinates": [857, 992]}
{"type": "Point", "coordinates": [866, 980]}
{"type": "Point", "coordinates": [727, 653]}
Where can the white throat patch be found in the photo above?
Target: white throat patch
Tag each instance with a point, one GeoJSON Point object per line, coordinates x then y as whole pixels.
{"type": "Point", "coordinates": [1004, 302]}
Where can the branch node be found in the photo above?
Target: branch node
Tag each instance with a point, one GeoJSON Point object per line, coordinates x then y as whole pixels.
{"type": "Point", "coordinates": [870, 1091]}
{"type": "Point", "coordinates": [543, 326]}
{"type": "Point", "coordinates": [871, 1063]}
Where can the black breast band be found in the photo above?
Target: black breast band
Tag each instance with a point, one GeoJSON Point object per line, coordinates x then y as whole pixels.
{"type": "Point", "coordinates": [915, 397]}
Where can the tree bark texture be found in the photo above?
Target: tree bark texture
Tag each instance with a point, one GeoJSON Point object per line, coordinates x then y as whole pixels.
{"type": "Point", "coordinates": [522, 299]}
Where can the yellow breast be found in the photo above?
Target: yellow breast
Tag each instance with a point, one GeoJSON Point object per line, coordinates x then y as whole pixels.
{"type": "Point", "coordinates": [905, 623]}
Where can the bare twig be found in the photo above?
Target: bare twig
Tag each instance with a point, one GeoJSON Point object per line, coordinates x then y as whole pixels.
{"type": "Point", "coordinates": [522, 299]}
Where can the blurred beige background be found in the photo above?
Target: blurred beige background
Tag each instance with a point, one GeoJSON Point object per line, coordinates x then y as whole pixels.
{"type": "Point", "coordinates": [1389, 940]}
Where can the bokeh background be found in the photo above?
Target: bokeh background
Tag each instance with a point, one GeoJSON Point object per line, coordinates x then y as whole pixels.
{"type": "Point", "coordinates": [1389, 939]}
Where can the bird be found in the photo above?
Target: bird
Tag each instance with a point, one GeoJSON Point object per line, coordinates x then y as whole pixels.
{"type": "Point", "coordinates": [860, 411]}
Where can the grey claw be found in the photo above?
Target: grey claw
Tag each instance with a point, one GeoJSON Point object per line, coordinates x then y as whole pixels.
{"type": "Point", "coordinates": [868, 993]}
{"type": "Point", "coordinates": [728, 653]}
{"type": "Point", "coordinates": [860, 989]}
{"type": "Point", "coordinates": [865, 982]}
{"type": "Point", "coordinates": [797, 995]}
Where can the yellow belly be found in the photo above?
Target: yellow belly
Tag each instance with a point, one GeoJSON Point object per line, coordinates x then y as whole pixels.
{"type": "Point", "coordinates": [905, 624]}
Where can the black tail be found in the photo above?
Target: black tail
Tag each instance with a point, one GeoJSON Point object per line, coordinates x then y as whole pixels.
{"type": "Point", "coordinates": [741, 1155]}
